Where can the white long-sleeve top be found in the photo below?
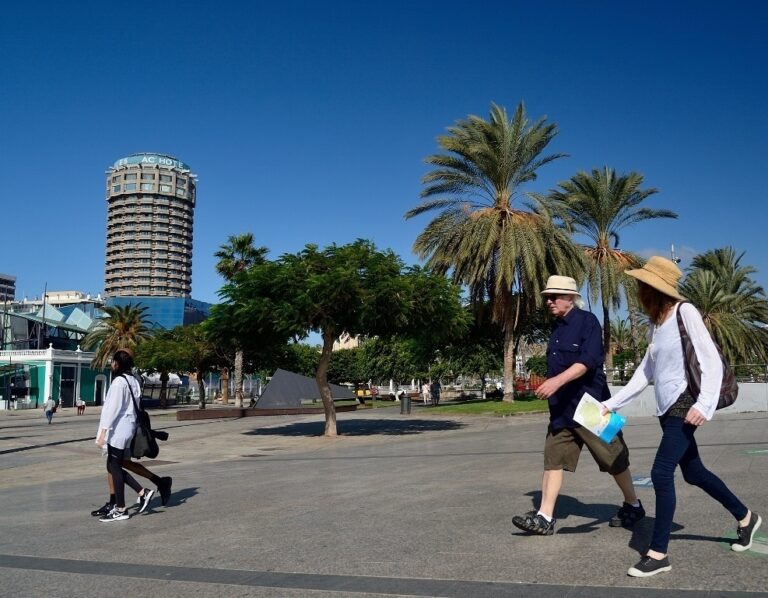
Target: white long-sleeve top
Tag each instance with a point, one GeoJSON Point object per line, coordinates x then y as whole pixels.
{"type": "Point", "coordinates": [118, 416]}
{"type": "Point", "coordinates": [664, 366]}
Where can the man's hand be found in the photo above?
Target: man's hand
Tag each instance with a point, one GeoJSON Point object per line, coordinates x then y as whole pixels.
{"type": "Point", "coordinates": [694, 417]}
{"type": "Point", "coordinates": [547, 388]}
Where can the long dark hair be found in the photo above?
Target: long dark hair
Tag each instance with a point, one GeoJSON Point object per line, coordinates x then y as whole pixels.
{"type": "Point", "coordinates": [655, 303]}
{"type": "Point", "coordinates": [124, 362]}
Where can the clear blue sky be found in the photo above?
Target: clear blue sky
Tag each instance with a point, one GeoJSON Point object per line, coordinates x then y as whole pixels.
{"type": "Point", "coordinates": [309, 121]}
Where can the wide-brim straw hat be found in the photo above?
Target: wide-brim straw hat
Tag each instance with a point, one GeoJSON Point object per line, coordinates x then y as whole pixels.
{"type": "Point", "coordinates": [661, 274]}
{"type": "Point", "coordinates": [126, 350]}
{"type": "Point", "coordinates": [561, 285]}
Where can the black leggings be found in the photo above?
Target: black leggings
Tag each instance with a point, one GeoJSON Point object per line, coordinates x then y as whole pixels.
{"type": "Point", "coordinates": [120, 477]}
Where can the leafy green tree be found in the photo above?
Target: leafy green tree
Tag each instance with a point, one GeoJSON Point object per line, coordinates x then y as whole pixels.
{"type": "Point", "coordinates": [354, 288]}
{"type": "Point", "coordinates": [733, 305]}
{"type": "Point", "coordinates": [492, 239]}
{"type": "Point", "coordinates": [237, 255]}
{"type": "Point", "coordinates": [599, 205]}
{"type": "Point", "coordinates": [537, 364]}
{"type": "Point", "coordinates": [162, 354]}
{"type": "Point", "coordinates": [198, 353]}
{"type": "Point", "coordinates": [121, 327]}
{"type": "Point", "coordinates": [347, 366]}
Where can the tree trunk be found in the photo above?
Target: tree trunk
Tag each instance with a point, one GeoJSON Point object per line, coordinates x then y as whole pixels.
{"type": "Point", "coordinates": [239, 378]}
{"type": "Point", "coordinates": [509, 364]}
{"type": "Point", "coordinates": [607, 343]}
{"type": "Point", "coordinates": [201, 389]}
{"type": "Point", "coordinates": [321, 377]}
{"type": "Point", "coordinates": [633, 327]}
{"type": "Point", "coordinates": [225, 386]}
{"type": "Point", "coordinates": [163, 390]}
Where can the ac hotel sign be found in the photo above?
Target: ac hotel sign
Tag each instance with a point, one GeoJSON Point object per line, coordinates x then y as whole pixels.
{"type": "Point", "coordinates": [152, 159]}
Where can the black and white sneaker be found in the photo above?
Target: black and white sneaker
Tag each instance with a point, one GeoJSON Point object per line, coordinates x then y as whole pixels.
{"type": "Point", "coordinates": [533, 523]}
{"type": "Point", "coordinates": [143, 500]}
{"type": "Point", "coordinates": [747, 533]}
{"type": "Point", "coordinates": [649, 566]}
{"type": "Point", "coordinates": [101, 511]}
{"type": "Point", "coordinates": [115, 515]}
{"type": "Point", "coordinates": [627, 515]}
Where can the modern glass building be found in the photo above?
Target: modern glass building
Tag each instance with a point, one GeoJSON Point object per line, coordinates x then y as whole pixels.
{"type": "Point", "coordinates": [150, 214]}
{"type": "Point", "coordinates": [167, 312]}
{"type": "Point", "coordinates": [7, 287]}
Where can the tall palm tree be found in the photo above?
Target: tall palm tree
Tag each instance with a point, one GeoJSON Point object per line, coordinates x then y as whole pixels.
{"type": "Point", "coordinates": [493, 238]}
{"type": "Point", "coordinates": [235, 256]}
{"type": "Point", "coordinates": [734, 307]}
{"type": "Point", "coordinates": [123, 326]}
{"type": "Point", "coordinates": [599, 205]}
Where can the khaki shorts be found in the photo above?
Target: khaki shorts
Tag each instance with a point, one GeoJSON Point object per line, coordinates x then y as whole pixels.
{"type": "Point", "coordinates": [562, 450]}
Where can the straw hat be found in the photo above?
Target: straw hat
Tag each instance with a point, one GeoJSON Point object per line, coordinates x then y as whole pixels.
{"type": "Point", "coordinates": [126, 350]}
{"type": "Point", "coordinates": [661, 274]}
{"type": "Point", "coordinates": [561, 285]}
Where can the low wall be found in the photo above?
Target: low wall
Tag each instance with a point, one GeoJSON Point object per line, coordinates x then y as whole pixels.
{"type": "Point", "coordinates": [753, 396]}
{"type": "Point", "coordinates": [226, 412]}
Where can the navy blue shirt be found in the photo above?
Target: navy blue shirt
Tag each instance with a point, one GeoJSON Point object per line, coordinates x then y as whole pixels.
{"type": "Point", "coordinates": [576, 338]}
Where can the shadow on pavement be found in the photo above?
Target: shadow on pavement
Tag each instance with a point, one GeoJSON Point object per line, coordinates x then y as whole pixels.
{"type": "Point", "coordinates": [362, 427]}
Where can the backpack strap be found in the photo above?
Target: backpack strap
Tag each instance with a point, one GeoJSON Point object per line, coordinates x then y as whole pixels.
{"type": "Point", "coordinates": [690, 361]}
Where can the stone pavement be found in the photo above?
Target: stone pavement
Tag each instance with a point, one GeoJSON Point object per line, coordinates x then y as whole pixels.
{"type": "Point", "coordinates": [415, 505]}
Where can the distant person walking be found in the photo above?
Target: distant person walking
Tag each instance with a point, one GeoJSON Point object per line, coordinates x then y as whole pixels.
{"type": "Point", "coordinates": [426, 395]}
{"type": "Point", "coordinates": [680, 412]}
{"type": "Point", "coordinates": [49, 408]}
{"type": "Point", "coordinates": [80, 406]}
{"type": "Point", "coordinates": [434, 391]}
{"type": "Point", "coordinates": [575, 366]}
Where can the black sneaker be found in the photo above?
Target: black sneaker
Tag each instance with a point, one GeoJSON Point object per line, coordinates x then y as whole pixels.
{"type": "Point", "coordinates": [649, 566]}
{"type": "Point", "coordinates": [627, 515]}
{"type": "Point", "coordinates": [143, 501]}
{"type": "Point", "coordinates": [101, 511]}
{"type": "Point", "coordinates": [533, 523]}
{"type": "Point", "coordinates": [164, 486]}
{"type": "Point", "coordinates": [746, 533]}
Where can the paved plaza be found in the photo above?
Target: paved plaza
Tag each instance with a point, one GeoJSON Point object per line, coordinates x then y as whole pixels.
{"type": "Point", "coordinates": [415, 505]}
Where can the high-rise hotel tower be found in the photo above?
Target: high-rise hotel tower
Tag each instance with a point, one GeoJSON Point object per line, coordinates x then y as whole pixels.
{"type": "Point", "coordinates": [150, 213]}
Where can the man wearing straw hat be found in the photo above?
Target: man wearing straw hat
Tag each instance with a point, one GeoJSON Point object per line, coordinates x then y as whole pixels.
{"type": "Point", "coordinates": [575, 366]}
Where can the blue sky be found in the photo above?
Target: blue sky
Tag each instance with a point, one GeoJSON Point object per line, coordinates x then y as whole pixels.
{"type": "Point", "coordinates": [309, 121]}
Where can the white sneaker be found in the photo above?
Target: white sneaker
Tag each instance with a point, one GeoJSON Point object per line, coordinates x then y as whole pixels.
{"type": "Point", "coordinates": [115, 515]}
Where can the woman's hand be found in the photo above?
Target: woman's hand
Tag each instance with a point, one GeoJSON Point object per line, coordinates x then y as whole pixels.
{"type": "Point", "coordinates": [694, 417]}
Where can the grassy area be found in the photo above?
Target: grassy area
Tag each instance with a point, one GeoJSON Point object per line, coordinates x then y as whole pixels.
{"type": "Point", "coordinates": [522, 404]}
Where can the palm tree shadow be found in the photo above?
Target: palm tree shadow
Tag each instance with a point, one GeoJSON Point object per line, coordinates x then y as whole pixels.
{"type": "Point", "coordinates": [362, 427]}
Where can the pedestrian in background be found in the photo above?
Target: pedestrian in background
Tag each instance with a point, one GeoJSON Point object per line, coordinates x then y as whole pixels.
{"type": "Point", "coordinates": [49, 408]}
{"type": "Point", "coordinates": [425, 393]}
{"type": "Point", "coordinates": [680, 413]}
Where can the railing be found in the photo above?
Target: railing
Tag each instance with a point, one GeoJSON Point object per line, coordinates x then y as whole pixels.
{"type": "Point", "coordinates": [747, 372]}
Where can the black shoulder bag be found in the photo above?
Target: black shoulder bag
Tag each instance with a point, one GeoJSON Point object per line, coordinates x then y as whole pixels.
{"type": "Point", "coordinates": [143, 443]}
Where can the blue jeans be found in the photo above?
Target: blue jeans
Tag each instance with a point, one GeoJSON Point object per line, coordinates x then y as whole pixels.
{"type": "Point", "coordinates": [678, 447]}
{"type": "Point", "coordinates": [49, 415]}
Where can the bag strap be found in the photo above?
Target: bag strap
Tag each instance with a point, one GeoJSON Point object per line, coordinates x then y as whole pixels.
{"type": "Point", "coordinates": [690, 361]}
{"type": "Point", "coordinates": [135, 406]}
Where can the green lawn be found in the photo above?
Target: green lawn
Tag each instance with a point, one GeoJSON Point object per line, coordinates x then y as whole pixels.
{"type": "Point", "coordinates": [523, 404]}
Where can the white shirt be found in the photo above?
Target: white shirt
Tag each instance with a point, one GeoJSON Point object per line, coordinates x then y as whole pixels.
{"type": "Point", "coordinates": [664, 366]}
{"type": "Point", "coordinates": [118, 416]}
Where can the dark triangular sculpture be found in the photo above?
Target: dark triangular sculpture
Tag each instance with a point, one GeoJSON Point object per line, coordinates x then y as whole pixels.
{"type": "Point", "coordinates": [287, 390]}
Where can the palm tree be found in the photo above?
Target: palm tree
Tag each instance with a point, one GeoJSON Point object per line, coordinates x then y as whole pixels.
{"type": "Point", "coordinates": [734, 307]}
{"type": "Point", "coordinates": [599, 205]}
{"type": "Point", "coordinates": [235, 256]}
{"type": "Point", "coordinates": [123, 326]}
{"type": "Point", "coordinates": [493, 240]}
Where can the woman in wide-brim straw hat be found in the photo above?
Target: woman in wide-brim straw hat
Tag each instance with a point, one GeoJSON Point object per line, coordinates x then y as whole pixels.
{"type": "Point", "coordinates": [680, 414]}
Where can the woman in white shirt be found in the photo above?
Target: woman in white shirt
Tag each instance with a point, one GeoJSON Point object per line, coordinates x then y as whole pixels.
{"type": "Point", "coordinates": [116, 429]}
{"type": "Point", "coordinates": [679, 413]}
